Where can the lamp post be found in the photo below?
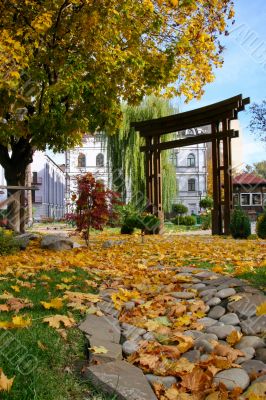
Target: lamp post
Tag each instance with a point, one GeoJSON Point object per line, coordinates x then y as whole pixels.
{"type": "Point", "coordinates": [200, 194]}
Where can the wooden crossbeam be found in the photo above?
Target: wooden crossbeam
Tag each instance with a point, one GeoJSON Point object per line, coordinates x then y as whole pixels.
{"type": "Point", "coordinates": [191, 140]}
{"type": "Point", "coordinates": [20, 187]}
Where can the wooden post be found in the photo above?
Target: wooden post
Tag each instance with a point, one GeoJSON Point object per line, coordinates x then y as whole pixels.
{"type": "Point", "coordinates": [228, 196]}
{"type": "Point", "coordinates": [216, 213]}
{"type": "Point", "coordinates": [149, 189]}
{"type": "Point", "coordinates": [157, 184]}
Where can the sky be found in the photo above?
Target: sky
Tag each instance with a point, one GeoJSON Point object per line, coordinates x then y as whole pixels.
{"type": "Point", "coordinates": [243, 72]}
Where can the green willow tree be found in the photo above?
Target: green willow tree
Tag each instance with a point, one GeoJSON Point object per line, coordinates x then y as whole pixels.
{"type": "Point", "coordinates": [127, 162]}
{"type": "Point", "coordinates": [66, 65]}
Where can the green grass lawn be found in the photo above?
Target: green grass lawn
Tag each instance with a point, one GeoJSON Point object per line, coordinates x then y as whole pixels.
{"type": "Point", "coordinates": [42, 362]}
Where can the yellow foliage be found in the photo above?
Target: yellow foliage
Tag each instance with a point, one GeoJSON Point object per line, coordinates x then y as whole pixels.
{"type": "Point", "coordinates": [56, 303]}
{"type": "Point", "coordinates": [261, 309]}
{"type": "Point", "coordinates": [5, 383]}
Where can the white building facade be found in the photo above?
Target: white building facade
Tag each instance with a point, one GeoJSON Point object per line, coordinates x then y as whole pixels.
{"type": "Point", "coordinates": [191, 172]}
{"type": "Point", "coordinates": [91, 156]}
{"type": "Point", "coordinates": [49, 200]}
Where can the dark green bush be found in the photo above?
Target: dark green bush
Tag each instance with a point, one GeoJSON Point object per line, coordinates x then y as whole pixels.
{"type": "Point", "coordinates": [206, 202]}
{"type": "Point", "coordinates": [261, 226]}
{"type": "Point", "coordinates": [240, 226]}
{"type": "Point", "coordinates": [8, 243]}
{"type": "Point", "coordinates": [188, 220]}
{"type": "Point", "coordinates": [150, 224]}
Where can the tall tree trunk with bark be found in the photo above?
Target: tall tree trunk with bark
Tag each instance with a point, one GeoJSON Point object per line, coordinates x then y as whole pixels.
{"type": "Point", "coordinates": [15, 159]}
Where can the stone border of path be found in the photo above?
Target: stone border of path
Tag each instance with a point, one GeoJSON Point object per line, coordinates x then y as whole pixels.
{"type": "Point", "coordinates": [111, 372]}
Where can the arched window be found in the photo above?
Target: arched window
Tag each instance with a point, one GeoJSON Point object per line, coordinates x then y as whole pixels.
{"type": "Point", "coordinates": [100, 160]}
{"type": "Point", "coordinates": [81, 160]}
{"type": "Point", "coordinates": [191, 185]}
{"type": "Point", "coordinates": [191, 160]}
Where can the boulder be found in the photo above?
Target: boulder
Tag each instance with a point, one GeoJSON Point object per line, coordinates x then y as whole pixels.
{"type": "Point", "coordinates": [57, 242]}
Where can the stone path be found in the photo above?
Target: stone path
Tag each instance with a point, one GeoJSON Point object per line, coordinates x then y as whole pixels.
{"type": "Point", "coordinates": [230, 306]}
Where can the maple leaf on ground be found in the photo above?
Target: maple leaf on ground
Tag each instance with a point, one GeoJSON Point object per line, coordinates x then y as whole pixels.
{"type": "Point", "coordinates": [234, 337]}
{"type": "Point", "coordinates": [21, 322]}
{"type": "Point", "coordinates": [261, 309]}
{"type": "Point", "coordinates": [56, 320]}
{"type": "Point", "coordinates": [81, 297]}
{"type": "Point", "coordinates": [227, 351]}
{"type": "Point", "coordinates": [55, 303]}
{"type": "Point", "coordinates": [5, 383]}
{"type": "Point", "coordinates": [17, 304]}
{"type": "Point", "coordinates": [4, 307]}
{"type": "Point", "coordinates": [197, 380]}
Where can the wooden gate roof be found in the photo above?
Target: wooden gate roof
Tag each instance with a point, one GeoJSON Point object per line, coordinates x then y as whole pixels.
{"type": "Point", "coordinates": [226, 109]}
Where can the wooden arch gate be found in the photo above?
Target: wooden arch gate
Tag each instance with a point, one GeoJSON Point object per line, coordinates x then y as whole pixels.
{"type": "Point", "coordinates": [218, 116]}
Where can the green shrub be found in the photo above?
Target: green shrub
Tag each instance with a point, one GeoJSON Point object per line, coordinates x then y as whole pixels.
{"type": "Point", "coordinates": [180, 208]}
{"type": "Point", "coordinates": [188, 220]}
{"type": "Point", "coordinates": [127, 230]}
{"type": "Point", "coordinates": [206, 221]}
{"type": "Point", "coordinates": [240, 224]}
{"type": "Point", "coordinates": [8, 243]}
{"type": "Point", "coordinates": [261, 226]}
{"type": "Point", "coordinates": [206, 202]}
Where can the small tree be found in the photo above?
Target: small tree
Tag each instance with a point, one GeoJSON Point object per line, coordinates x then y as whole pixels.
{"type": "Point", "coordinates": [261, 226]}
{"type": "Point", "coordinates": [180, 209]}
{"type": "Point", "coordinates": [94, 205]}
{"type": "Point", "coordinates": [206, 203]}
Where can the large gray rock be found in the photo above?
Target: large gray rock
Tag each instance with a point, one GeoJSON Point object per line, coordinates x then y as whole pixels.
{"type": "Point", "coordinates": [246, 307]}
{"type": "Point", "coordinates": [24, 239]}
{"type": "Point", "coordinates": [122, 380]}
{"type": "Point", "coordinates": [233, 378]}
{"type": "Point", "coordinates": [224, 293]}
{"type": "Point", "coordinates": [206, 321]}
{"type": "Point", "coordinates": [214, 301]}
{"type": "Point", "coordinates": [254, 325]}
{"type": "Point", "coordinates": [105, 328]}
{"type": "Point", "coordinates": [56, 242]}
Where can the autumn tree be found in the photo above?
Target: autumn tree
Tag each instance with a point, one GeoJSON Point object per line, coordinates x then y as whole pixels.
{"type": "Point", "coordinates": [258, 168]}
{"type": "Point", "coordinates": [94, 205]}
{"type": "Point", "coordinates": [67, 64]}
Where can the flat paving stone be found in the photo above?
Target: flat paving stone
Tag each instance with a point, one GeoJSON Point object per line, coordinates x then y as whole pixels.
{"type": "Point", "coordinates": [121, 379]}
{"type": "Point", "coordinates": [261, 354]}
{"type": "Point", "coordinates": [246, 307]}
{"type": "Point", "coordinates": [254, 325]}
{"type": "Point", "coordinates": [230, 319]}
{"type": "Point", "coordinates": [114, 350]}
{"type": "Point", "coordinates": [217, 312]}
{"type": "Point", "coordinates": [224, 293]}
{"type": "Point", "coordinates": [105, 328]}
{"type": "Point", "coordinates": [250, 341]}
{"type": "Point", "coordinates": [183, 295]}
{"type": "Point", "coordinates": [233, 378]}
{"type": "Point", "coordinates": [253, 367]}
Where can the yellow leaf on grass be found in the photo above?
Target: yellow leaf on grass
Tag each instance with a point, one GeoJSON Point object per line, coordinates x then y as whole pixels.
{"type": "Point", "coordinates": [20, 322]}
{"type": "Point", "coordinates": [6, 295]}
{"type": "Point", "coordinates": [56, 303]}
{"type": "Point", "coordinates": [98, 350]}
{"type": "Point", "coordinates": [41, 345]}
{"type": "Point", "coordinates": [261, 309]}
{"type": "Point", "coordinates": [5, 383]}
{"type": "Point", "coordinates": [16, 288]}
{"type": "Point", "coordinates": [56, 320]}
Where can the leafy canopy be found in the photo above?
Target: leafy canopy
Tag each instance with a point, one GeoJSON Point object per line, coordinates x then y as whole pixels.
{"type": "Point", "coordinates": [67, 64]}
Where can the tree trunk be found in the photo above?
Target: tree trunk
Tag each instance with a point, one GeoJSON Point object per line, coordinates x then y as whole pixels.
{"type": "Point", "coordinates": [15, 163]}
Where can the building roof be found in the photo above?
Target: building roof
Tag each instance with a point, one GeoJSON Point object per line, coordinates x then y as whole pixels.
{"type": "Point", "coordinates": [248, 179]}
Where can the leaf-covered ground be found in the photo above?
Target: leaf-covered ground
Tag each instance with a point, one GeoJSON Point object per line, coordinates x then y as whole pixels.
{"type": "Point", "coordinates": [44, 294]}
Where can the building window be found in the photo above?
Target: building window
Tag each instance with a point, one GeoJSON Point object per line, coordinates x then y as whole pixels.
{"type": "Point", "coordinates": [251, 199]}
{"type": "Point", "coordinates": [191, 185]}
{"type": "Point", "coordinates": [81, 160]}
{"type": "Point", "coordinates": [100, 160]}
{"type": "Point", "coordinates": [256, 199]}
{"type": "Point", "coordinates": [191, 160]}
